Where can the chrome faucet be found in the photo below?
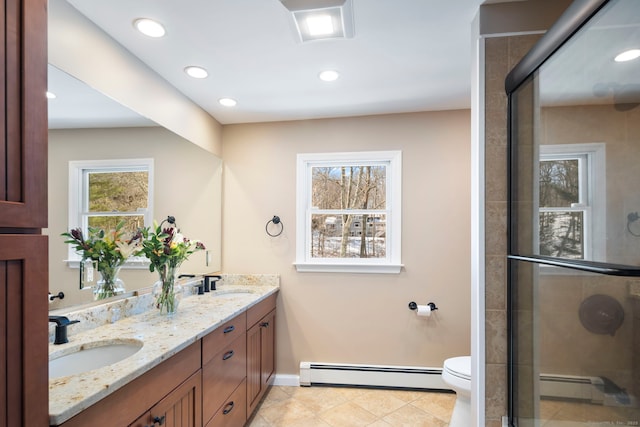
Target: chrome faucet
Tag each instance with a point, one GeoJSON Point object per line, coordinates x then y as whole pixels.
{"type": "Point", "coordinates": [61, 328]}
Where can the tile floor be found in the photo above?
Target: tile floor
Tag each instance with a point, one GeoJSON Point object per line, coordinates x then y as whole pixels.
{"type": "Point", "coordinates": [576, 414]}
{"type": "Point", "coordinates": [352, 407]}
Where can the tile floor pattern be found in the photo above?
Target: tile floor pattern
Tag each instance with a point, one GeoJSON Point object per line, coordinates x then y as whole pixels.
{"type": "Point", "coordinates": [352, 407]}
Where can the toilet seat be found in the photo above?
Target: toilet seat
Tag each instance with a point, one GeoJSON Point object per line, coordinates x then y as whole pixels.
{"type": "Point", "coordinates": [459, 367]}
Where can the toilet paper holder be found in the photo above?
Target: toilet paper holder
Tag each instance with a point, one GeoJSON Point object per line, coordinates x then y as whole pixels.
{"type": "Point", "coordinates": [414, 306]}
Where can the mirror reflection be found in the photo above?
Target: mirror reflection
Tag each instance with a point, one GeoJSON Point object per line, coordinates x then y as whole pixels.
{"type": "Point", "coordinates": [85, 125]}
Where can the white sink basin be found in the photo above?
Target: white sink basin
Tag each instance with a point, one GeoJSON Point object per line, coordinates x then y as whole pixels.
{"type": "Point", "coordinates": [90, 356]}
{"type": "Point", "coordinates": [231, 293]}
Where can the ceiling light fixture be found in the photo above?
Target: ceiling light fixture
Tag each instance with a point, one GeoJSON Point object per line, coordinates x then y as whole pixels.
{"type": "Point", "coordinates": [321, 19]}
{"type": "Point", "coordinates": [628, 55]}
{"type": "Point", "coordinates": [227, 102]}
{"type": "Point", "coordinates": [149, 27]}
{"type": "Point", "coordinates": [329, 75]}
{"type": "Point", "coordinates": [196, 72]}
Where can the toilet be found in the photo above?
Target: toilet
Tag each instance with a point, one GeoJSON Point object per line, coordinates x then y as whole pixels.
{"type": "Point", "coordinates": [456, 373]}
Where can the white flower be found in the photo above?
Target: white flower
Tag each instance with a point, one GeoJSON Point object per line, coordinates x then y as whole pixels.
{"type": "Point", "coordinates": [128, 249]}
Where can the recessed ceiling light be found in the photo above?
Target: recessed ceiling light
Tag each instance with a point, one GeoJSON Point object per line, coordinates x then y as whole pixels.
{"type": "Point", "coordinates": [326, 19]}
{"type": "Point", "coordinates": [227, 102]}
{"type": "Point", "coordinates": [196, 72]}
{"type": "Point", "coordinates": [319, 25]}
{"type": "Point", "coordinates": [149, 27]}
{"type": "Point", "coordinates": [329, 75]}
{"type": "Point", "coordinates": [51, 95]}
{"type": "Point", "coordinates": [628, 55]}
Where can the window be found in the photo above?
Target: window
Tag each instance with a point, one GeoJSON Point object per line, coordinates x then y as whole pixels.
{"type": "Point", "coordinates": [571, 196]}
{"type": "Point", "coordinates": [349, 212]}
{"type": "Point", "coordinates": [102, 193]}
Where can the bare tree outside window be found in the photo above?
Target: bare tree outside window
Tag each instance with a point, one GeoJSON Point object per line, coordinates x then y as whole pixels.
{"type": "Point", "coordinates": [349, 219]}
{"type": "Point", "coordinates": [561, 211]}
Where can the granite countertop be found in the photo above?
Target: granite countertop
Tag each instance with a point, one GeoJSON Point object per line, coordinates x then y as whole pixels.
{"type": "Point", "coordinates": [162, 336]}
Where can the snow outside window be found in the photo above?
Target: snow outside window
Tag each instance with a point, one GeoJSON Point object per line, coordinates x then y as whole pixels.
{"type": "Point", "coordinates": [349, 212]}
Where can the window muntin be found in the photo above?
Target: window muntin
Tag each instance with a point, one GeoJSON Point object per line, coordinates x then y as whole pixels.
{"type": "Point", "coordinates": [571, 201]}
{"type": "Point", "coordinates": [564, 205]}
{"type": "Point", "coordinates": [114, 195]}
{"type": "Point", "coordinates": [349, 212]}
{"type": "Point", "coordinates": [104, 192]}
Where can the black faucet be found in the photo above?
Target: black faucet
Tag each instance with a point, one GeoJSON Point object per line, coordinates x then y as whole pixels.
{"type": "Point", "coordinates": [61, 328]}
{"type": "Point", "coordinates": [209, 282]}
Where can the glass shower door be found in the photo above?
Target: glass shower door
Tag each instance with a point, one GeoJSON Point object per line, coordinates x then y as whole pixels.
{"type": "Point", "coordinates": [574, 227]}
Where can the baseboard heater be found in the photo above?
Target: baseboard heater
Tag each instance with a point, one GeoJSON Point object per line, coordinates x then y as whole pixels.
{"type": "Point", "coordinates": [595, 390]}
{"type": "Point", "coordinates": [374, 376]}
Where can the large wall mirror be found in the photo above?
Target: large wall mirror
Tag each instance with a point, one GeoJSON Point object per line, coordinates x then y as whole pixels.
{"type": "Point", "coordinates": [85, 124]}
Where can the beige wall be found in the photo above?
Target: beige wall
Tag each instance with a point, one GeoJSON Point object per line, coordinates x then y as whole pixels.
{"type": "Point", "coordinates": [358, 318]}
{"type": "Point", "coordinates": [187, 185]}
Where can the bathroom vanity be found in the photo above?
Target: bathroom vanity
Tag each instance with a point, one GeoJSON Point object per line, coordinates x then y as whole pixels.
{"type": "Point", "coordinates": [209, 365]}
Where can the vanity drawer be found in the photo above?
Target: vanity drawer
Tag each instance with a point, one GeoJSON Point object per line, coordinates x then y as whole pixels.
{"type": "Point", "coordinates": [221, 376]}
{"type": "Point", "coordinates": [222, 336]}
{"type": "Point", "coordinates": [258, 311]}
{"type": "Point", "coordinates": [234, 411]}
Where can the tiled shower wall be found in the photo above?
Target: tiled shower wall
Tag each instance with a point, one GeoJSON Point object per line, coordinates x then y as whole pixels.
{"type": "Point", "coordinates": [501, 54]}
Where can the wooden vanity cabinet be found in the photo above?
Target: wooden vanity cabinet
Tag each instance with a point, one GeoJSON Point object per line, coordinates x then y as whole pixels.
{"type": "Point", "coordinates": [224, 369]}
{"type": "Point", "coordinates": [164, 390]}
{"type": "Point", "coordinates": [260, 350]}
{"type": "Point", "coordinates": [215, 382]}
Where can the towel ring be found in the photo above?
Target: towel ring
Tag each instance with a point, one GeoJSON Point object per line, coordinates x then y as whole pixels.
{"type": "Point", "coordinates": [275, 220]}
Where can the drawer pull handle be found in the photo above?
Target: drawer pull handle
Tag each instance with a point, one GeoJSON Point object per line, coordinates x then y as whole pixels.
{"type": "Point", "coordinates": [264, 324]}
{"type": "Point", "coordinates": [227, 355]}
{"type": "Point", "coordinates": [229, 329]}
{"type": "Point", "coordinates": [228, 408]}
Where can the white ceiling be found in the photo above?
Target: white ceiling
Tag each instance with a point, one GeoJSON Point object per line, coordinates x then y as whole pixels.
{"type": "Point", "coordinates": [406, 56]}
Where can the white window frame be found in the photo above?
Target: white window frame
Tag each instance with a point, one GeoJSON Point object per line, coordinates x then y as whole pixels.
{"type": "Point", "coordinates": [592, 170]}
{"type": "Point", "coordinates": [78, 217]}
{"type": "Point", "coordinates": [392, 263]}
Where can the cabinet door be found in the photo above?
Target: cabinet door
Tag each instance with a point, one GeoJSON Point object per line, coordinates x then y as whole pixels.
{"type": "Point", "coordinates": [23, 212]}
{"type": "Point", "coordinates": [260, 359]}
{"type": "Point", "coordinates": [23, 330]}
{"type": "Point", "coordinates": [180, 408]}
{"type": "Point", "coordinates": [23, 121]}
{"type": "Point", "coordinates": [268, 348]}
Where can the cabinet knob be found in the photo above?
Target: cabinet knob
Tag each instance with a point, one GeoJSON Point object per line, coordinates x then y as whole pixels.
{"type": "Point", "coordinates": [264, 324]}
{"type": "Point", "coordinates": [158, 420]}
{"type": "Point", "coordinates": [228, 408]}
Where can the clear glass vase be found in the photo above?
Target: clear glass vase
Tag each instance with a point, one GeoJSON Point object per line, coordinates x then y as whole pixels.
{"type": "Point", "coordinates": [166, 291]}
{"type": "Point", "coordinates": [109, 284]}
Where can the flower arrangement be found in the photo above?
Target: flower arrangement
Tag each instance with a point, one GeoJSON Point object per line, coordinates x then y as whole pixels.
{"type": "Point", "coordinates": [166, 248]}
{"type": "Point", "coordinates": [109, 250]}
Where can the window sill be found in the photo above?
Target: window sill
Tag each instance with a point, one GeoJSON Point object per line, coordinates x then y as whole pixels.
{"type": "Point", "coordinates": [308, 267]}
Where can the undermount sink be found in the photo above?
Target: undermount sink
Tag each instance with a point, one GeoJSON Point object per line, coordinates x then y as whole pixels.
{"type": "Point", "coordinates": [90, 356]}
{"type": "Point", "coordinates": [231, 293]}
